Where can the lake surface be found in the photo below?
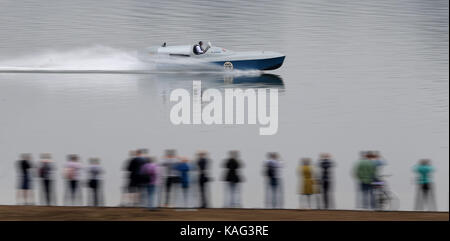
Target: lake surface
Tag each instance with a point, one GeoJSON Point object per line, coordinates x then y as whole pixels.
{"type": "Point", "coordinates": [358, 75]}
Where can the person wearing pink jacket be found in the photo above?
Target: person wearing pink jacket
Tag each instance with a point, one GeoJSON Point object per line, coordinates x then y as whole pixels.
{"type": "Point", "coordinates": [150, 172]}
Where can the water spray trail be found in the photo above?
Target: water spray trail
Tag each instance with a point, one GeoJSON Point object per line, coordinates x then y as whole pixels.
{"type": "Point", "coordinates": [102, 59]}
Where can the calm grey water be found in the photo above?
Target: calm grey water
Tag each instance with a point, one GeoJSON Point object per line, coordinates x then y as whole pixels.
{"type": "Point", "coordinates": [358, 75]}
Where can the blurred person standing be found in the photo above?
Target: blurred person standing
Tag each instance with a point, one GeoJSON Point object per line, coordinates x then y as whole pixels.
{"type": "Point", "coordinates": [365, 172]}
{"type": "Point", "coordinates": [170, 160]}
{"type": "Point", "coordinates": [46, 169]}
{"type": "Point", "coordinates": [358, 198]}
{"type": "Point", "coordinates": [94, 172]}
{"type": "Point", "coordinates": [125, 198]}
{"type": "Point", "coordinates": [203, 163]}
{"type": "Point", "coordinates": [272, 167]}
{"type": "Point", "coordinates": [25, 195]}
{"type": "Point", "coordinates": [307, 184]}
{"type": "Point", "coordinates": [151, 171]}
{"type": "Point", "coordinates": [72, 174]}
{"type": "Point", "coordinates": [183, 168]}
{"type": "Point", "coordinates": [135, 182]}
{"type": "Point", "coordinates": [232, 166]}
{"type": "Point", "coordinates": [425, 190]}
{"type": "Point", "coordinates": [379, 162]}
{"type": "Point", "coordinates": [143, 179]}
{"type": "Point", "coordinates": [326, 179]}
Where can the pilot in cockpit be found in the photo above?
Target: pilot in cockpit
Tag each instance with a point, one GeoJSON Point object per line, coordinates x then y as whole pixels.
{"type": "Point", "coordinates": [198, 48]}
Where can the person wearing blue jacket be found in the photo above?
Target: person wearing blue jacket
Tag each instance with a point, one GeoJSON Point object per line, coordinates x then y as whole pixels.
{"type": "Point", "coordinates": [183, 169]}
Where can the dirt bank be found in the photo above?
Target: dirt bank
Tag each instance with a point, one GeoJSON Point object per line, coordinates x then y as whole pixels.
{"type": "Point", "coordinates": [31, 213]}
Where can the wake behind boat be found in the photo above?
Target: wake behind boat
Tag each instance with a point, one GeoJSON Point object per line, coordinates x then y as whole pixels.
{"type": "Point", "coordinates": [247, 60]}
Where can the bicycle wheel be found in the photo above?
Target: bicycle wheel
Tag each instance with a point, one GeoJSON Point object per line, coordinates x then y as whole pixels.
{"type": "Point", "coordinates": [382, 201]}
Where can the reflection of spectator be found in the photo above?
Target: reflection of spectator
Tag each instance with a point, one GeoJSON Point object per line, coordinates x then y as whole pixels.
{"type": "Point", "coordinates": [232, 177]}
{"type": "Point", "coordinates": [326, 181]}
{"type": "Point", "coordinates": [425, 190]}
{"type": "Point", "coordinates": [46, 169]}
{"type": "Point", "coordinates": [203, 166]}
{"type": "Point", "coordinates": [365, 173]}
{"type": "Point", "coordinates": [25, 192]}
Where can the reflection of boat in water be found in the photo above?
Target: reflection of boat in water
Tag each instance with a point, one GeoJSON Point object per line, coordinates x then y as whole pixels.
{"type": "Point", "coordinates": [166, 82]}
{"type": "Point", "coordinates": [263, 79]}
{"type": "Point", "coordinates": [216, 80]}
{"type": "Point", "coordinates": [255, 60]}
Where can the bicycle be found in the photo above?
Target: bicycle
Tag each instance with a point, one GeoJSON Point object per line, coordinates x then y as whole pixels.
{"type": "Point", "coordinates": [385, 199]}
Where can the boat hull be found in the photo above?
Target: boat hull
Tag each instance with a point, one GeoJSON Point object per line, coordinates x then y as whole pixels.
{"type": "Point", "coordinates": [253, 64]}
{"type": "Point", "coordinates": [227, 59]}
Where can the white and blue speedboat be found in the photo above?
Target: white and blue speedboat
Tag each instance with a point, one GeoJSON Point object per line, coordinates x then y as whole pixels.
{"type": "Point", "coordinates": [247, 60]}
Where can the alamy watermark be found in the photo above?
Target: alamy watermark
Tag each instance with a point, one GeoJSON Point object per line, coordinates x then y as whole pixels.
{"type": "Point", "coordinates": [210, 107]}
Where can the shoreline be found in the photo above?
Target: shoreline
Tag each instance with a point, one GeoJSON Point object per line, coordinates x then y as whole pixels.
{"type": "Point", "coordinates": [65, 213]}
